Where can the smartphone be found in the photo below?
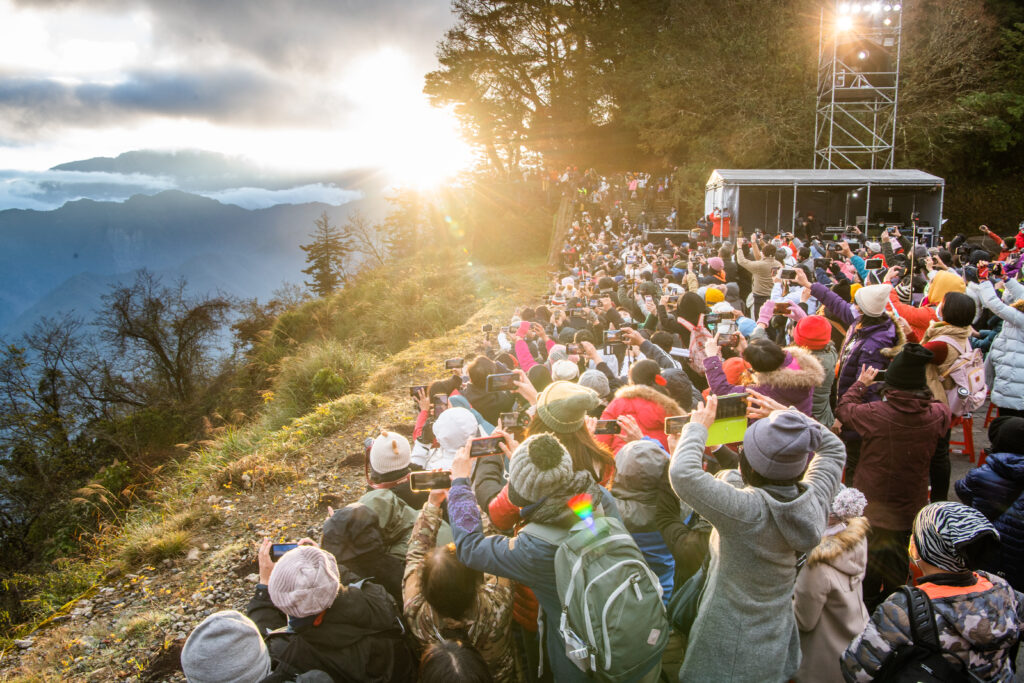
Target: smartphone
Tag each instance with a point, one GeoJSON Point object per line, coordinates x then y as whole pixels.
{"type": "Point", "coordinates": [822, 263]}
{"type": "Point", "coordinates": [873, 264]}
{"type": "Point", "coordinates": [573, 349]}
{"type": "Point", "coordinates": [612, 337]}
{"type": "Point", "coordinates": [649, 299]}
{"type": "Point", "coordinates": [428, 481]}
{"type": "Point", "coordinates": [504, 330]}
{"type": "Point", "coordinates": [995, 268]}
{"type": "Point", "coordinates": [731, 405]}
{"type": "Point", "coordinates": [880, 376]}
{"type": "Point", "coordinates": [672, 298]}
{"type": "Point", "coordinates": [453, 364]}
{"type": "Point", "coordinates": [788, 273]}
{"type": "Point", "coordinates": [782, 307]}
{"type": "Point", "coordinates": [485, 445]}
{"type": "Point", "coordinates": [727, 333]}
{"type": "Point", "coordinates": [505, 381]}
{"type": "Point", "coordinates": [277, 550]}
{"type": "Point", "coordinates": [512, 423]}
{"type": "Point", "coordinates": [711, 321]}
{"type": "Point", "coordinates": [440, 403]}
{"type": "Point", "coordinates": [674, 425]}
{"type": "Point", "coordinates": [607, 427]}
{"type": "Point", "coordinates": [576, 312]}
{"type": "Point", "coordinates": [594, 303]}
{"type": "Point", "coordinates": [487, 328]}
{"type": "Point", "coordinates": [416, 389]}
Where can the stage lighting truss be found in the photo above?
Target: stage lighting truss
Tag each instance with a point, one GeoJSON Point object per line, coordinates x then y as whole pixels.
{"type": "Point", "coordinates": [858, 85]}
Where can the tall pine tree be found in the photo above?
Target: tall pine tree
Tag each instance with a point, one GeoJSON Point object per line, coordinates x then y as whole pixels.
{"type": "Point", "coordinates": [326, 256]}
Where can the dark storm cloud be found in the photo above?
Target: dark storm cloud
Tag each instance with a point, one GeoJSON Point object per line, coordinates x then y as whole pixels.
{"type": "Point", "coordinates": [236, 95]}
{"type": "Point", "coordinates": [314, 36]}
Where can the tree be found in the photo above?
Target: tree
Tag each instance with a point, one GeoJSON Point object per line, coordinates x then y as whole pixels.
{"type": "Point", "coordinates": [369, 239]}
{"type": "Point", "coordinates": [326, 256]}
{"type": "Point", "coordinates": [48, 408]}
{"type": "Point", "coordinates": [164, 339]}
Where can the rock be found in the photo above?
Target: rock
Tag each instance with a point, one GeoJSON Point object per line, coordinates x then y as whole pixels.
{"type": "Point", "coordinates": [205, 546]}
{"type": "Point", "coordinates": [89, 642]}
{"type": "Point", "coordinates": [246, 481]}
{"type": "Point", "coordinates": [193, 555]}
{"type": "Point", "coordinates": [24, 644]}
{"type": "Point", "coordinates": [253, 578]}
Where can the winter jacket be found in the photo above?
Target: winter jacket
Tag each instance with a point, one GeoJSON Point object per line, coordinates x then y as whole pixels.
{"type": "Point", "coordinates": [358, 638]}
{"type": "Point", "coordinates": [396, 521]}
{"type": "Point", "coordinates": [874, 345]}
{"type": "Point", "coordinates": [488, 625]}
{"type": "Point", "coordinates": [934, 371]}
{"type": "Point", "coordinates": [899, 437]}
{"type": "Point", "coordinates": [525, 559]}
{"type": "Point", "coordinates": [1007, 353]}
{"type": "Point", "coordinates": [827, 601]}
{"type": "Point", "coordinates": [490, 404]}
{"type": "Point", "coordinates": [649, 406]}
{"type": "Point", "coordinates": [353, 535]}
{"type": "Point", "coordinates": [745, 629]}
{"type": "Point", "coordinates": [996, 489]}
{"type": "Point", "coordinates": [639, 481]}
{"type": "Point", "coordinates": [821, 406]}
{"type": "Point", "coordinates": [979, 622]}
{"type": "Point", "coordinates": [793, 384]}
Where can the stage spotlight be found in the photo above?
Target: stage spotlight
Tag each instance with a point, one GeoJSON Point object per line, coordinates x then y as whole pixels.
{"type": "Point", "coordinates": [862, 55]}
{"type": "Point", "coordinates": [855, 7]}
{"type": "Point", "coordinates": [897, 8]}
{"type": "Point", "coordinates": [844, 8]}
{"type": "Point", "coordinates": [855, 195]}
{"type": "Point", "coordinates": [844, 23]}
{"type": "Point", "coordinates": [887, 21]}
{"type": "Point", "coordinates": [875, 8]}
{"type": "Point", "coordinates": [887, 8]}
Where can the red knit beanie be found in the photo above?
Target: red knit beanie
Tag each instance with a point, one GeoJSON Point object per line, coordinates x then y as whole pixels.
{"type": "Point", "coordinates": [812, 332]}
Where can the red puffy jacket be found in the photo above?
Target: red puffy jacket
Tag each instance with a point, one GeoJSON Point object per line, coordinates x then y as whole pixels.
{"type": "Point", "coordinates": [649, 406]}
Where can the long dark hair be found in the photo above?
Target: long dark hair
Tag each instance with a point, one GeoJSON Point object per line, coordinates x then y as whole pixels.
{"type": "Point", "coordinates": [588, 454]}
{"type": "Point", "coordinates": [448, 585]}
{"type": "Point", "coordinates": [453, 661]}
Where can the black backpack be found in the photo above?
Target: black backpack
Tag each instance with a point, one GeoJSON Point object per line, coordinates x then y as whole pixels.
{"type": "Point", "coordinates": [922, 660]}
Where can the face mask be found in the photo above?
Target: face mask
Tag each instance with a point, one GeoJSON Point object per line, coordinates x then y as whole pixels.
{"type": "Point", "coordinates": [627, 319]}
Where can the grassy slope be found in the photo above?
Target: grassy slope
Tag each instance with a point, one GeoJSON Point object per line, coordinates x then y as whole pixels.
{"type": "Point", "coordinates": [145, 595]}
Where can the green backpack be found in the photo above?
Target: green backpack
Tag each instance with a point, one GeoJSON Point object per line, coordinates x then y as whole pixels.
{"type": "Point", "coordinates": [613, 620]}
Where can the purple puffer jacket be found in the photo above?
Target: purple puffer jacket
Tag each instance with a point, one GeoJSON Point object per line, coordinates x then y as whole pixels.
{"type": "Point", "coordinates": [792, 385]}
{"type": "Point", "coordinates": [873, 346]}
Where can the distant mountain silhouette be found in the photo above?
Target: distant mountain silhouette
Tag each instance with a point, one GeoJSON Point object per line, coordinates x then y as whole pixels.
{"type": "Point", "coordinates": [195, 170]}
{"type": "Point", "coordinates": [62, 260]}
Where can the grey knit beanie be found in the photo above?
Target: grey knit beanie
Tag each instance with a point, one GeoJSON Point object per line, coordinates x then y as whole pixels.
{"type": "Point", "coordinates": [540, 467]}
{"type": "Point", "coordinates": [778, 446]}
{"type": "Point", "coordinates": [225, 648]}
{"type": "Point", "coordinates": [304, 582]}
{"type": "Point", "coordinates": [596, 380]}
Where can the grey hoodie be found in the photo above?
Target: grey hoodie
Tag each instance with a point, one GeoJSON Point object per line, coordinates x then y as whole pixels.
{"type": "Point", "coordinates": [745, 629]}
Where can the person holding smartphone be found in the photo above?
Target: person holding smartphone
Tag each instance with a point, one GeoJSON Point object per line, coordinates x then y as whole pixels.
{"type": "Point", "coordinates": [766, 514]}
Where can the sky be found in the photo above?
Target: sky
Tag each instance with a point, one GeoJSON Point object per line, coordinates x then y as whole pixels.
{"type": "Point", "coordinates": [294, 86]}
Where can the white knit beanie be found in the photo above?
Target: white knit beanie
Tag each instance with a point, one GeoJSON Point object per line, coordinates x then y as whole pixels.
{"type": "Point", "coordinates": [304, 582]}
{"type": "Point", "coordinates": [872, 299]}
{"type": "Point", "coordinates": [389, 452]}
{"type": "Point", "coordinates": [565, 370]}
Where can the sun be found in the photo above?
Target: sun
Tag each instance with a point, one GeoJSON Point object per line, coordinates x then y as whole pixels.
{"type": "Point", "coordinates": [415, 144]}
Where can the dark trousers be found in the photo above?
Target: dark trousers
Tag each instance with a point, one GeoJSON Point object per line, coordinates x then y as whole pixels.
{"type": "Point", "coordinates": [852, 457]}
{"type": "Point", "coordinates": [939, 469]}
{"type": "Point", "coordinates": [888, 565]}
{"type": "Point", "coordinates": [1010, 412]}
{"type": "Point", "coordinates": [758, 302]}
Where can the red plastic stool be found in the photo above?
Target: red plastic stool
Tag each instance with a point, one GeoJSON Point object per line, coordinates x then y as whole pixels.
{"type": "Point", "coordinates": [967, 423]}
{"type": "Point", "coordinates": [988, 414]}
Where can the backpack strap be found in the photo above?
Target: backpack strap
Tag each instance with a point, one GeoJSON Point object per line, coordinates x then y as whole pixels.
{"type": "Point", "coordinates": [922, 618]}
{"type": "Point", "coordinates": [554, 535]}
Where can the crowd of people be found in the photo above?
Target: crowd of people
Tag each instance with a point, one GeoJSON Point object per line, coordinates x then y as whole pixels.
{"type": "Point", "coordinates": [710, 461]}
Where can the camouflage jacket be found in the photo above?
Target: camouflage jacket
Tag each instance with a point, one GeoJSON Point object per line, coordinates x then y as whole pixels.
{"type": "Point", "coordinates": [978, 623]}
{"type": "Point", "coordinates": [489, 624]}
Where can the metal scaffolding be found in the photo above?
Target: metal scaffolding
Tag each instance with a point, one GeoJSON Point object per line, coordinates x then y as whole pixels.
{"type": "Point", "coordinates": [858, 85]}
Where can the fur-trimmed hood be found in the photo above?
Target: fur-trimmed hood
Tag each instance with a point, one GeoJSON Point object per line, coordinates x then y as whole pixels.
{"type": "Point", "coordinates": [808, 374]}
{"type": "Point", "coordinates": [901, 338]}
{"type": "Point", "coordinates": [835, 550]}
{"type": "Point", "coordinates": [647, 393]}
